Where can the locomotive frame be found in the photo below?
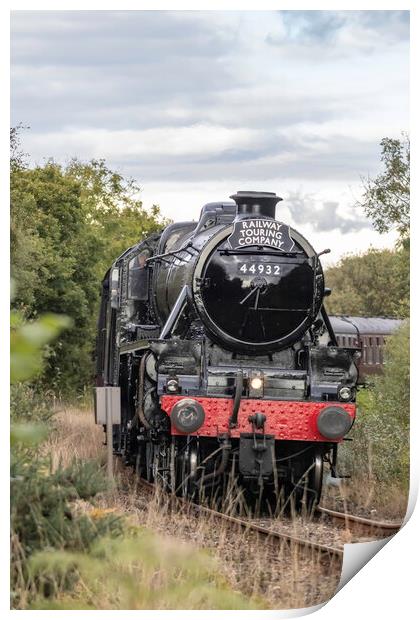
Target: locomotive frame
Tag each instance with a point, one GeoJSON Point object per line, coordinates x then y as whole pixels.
{"type": "Point", "coordinates": [211, 398]}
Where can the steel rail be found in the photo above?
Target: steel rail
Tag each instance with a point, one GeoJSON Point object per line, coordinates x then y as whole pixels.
{"type": "Point", "coordinates": [272, 535]}
{"type": "Point", "coordinates": [354, 522]}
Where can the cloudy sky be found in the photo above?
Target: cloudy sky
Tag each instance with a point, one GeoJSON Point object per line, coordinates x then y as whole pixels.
{"type": "Point", "coordinates": [198, 105]}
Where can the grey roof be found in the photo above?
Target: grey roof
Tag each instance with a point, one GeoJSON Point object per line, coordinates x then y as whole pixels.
{"type": "Point", "coordinates": [364, 325]}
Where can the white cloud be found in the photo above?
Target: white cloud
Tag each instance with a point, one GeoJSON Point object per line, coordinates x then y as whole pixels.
{"type": "Point", "coordinates": [197, 105]}
{"type": "Point", "coordinates": [182, 202]}
{"type": "Point", "coordinates": [196, 140]}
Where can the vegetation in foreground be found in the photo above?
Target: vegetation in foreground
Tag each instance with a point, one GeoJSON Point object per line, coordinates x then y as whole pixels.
{"type": "Point", "coordinates": [278, 578]}
{"type": "Point", "coordinates": [63, 557]}
{"type": "Point", "coordinates": [384, 421]}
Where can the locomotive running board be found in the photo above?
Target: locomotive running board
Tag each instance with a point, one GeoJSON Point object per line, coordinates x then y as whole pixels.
{"type": "Point", "coordinates": [131, 347]}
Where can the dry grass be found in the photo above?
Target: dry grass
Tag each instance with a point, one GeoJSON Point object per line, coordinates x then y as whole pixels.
{"type": "Point", "coordinates": [367, 498]}
{"type": "Point", "coordinates": [282, 577]}
{"type": "Point", "coordinates": [278, 578]}
{"type": "Point", "coordinates": [76, 437]}
{"type": "Point", "coordinates": [275, 577]}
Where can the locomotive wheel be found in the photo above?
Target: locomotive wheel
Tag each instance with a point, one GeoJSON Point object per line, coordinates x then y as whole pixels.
{"type": "Point", "coordinates": [140, 463]}
{"type": "Point", "coordinates": [317, 476]}
{"type": "Point", "coordinates": [186, 472]}
{"type": "Point", "coordinates": [161, 469]}
{"type": "Point", "coordinates": [297, 492]}
{"type": "Point", "coordinates": [149, 461]}
{"type": "Point", "coordinates": [304, 492]}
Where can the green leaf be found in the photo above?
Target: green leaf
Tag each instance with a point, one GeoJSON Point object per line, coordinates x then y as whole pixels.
{"type": "Point", "coordinates": [27, 434]}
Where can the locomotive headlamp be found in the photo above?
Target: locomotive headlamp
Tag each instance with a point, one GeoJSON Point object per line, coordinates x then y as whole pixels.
{"type": "Point", "coordinates": [172, 386]}
{"type": "Point", "coordinates": [256, 383]}
{"type": "Point", "coordinates": [334, 422]}
{"type": "Point", "coordinates": [345, 393]}
{"type": "Point", "coordinates": [187, 415]}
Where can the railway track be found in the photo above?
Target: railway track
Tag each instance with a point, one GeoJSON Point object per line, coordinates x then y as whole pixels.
{"type": "Point", "coordinates": [274, 536]}
{"type": "Point", "coordinates": [326, 552]}
{"type": "Point", "coordinates": [359, 524]}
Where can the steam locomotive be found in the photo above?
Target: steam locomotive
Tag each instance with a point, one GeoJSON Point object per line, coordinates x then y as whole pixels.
{"type": "Point", "coordinates": [217, 362]}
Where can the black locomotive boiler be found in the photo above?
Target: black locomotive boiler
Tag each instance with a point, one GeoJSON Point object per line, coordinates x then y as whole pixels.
{"type": "Point", "coordinates": [219, 361]}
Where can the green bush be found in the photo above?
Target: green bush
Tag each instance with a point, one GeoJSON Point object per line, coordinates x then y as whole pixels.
{"type": "Point", "coordinates": [381, 432]}
{"type": "Point", "coordinates": [57, 545]}
{"type": "Point", "coordinates": [42, 513]}
{"type": "Point", "coordinates": [142, 571]}
{"type": "Point", "coordinates": [28, 405]}
{"type": "Point", "coordinates": [42, 500]}
{"type": "Point", "coordinates": [360, 283]}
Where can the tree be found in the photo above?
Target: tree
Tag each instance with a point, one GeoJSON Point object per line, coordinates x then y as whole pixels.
{"type": "Point", "coordinates": [54, 265]}
{"type": "Point", "coordinates": [113, 209]}
{"type": "Point", "coordinates": [375, 283]}
{"type": "Point", "coordinates": [68, 223]}
{"type": "Point", "coordinates": [17, 156]}
{"type": "Point", "coordinates": [386, 199]}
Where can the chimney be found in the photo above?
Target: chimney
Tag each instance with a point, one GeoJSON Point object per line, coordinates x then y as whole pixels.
{"type": "Point", "coordinates": [256, 203]}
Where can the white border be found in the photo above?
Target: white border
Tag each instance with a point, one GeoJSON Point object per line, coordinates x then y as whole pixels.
{"type": "Point", "coordinates": [386, 586]}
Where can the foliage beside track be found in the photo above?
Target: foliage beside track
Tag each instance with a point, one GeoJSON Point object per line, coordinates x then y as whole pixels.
{"type": "Point", "coordinates": [379, 452]}
{"type": "Point", "coordinates": [56, 546]}
{"type": "Point", "coordinates": [41, 514]}
{"type": "Point", "coordinates": [374, 283]}
{"type": "Point", "coordinates": [377, 283]}
{"type": "Point", "coordinates": [68, 223]}
{"type": "Point", "coordinates": [139, 571]}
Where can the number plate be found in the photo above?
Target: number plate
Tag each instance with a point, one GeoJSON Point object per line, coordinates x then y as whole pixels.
{"type": "Point", "coordinates": [261, 269]}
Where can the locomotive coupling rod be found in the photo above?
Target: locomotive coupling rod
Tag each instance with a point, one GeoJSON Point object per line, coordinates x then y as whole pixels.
{"type": "Point", "coordinates": [233, 421]}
